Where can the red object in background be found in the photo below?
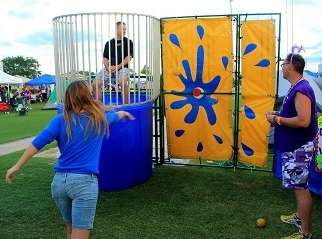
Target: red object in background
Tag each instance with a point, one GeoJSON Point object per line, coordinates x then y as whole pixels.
{"type": "Point", "coordinates": [4, 107]}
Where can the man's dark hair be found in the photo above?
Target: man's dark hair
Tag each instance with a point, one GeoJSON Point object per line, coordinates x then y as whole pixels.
{"type": "Point", "coordinates": [297, 61]}
{"type": "Point", "coordinates": [119, 23]}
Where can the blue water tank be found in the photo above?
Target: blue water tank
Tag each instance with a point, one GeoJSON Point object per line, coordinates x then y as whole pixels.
{"type": "Point", "coordinates": [114, 97]}
{"type": "Point", "coordinates": [126, 156]}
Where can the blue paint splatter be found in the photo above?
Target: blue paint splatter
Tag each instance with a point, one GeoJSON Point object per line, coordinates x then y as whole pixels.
{"type": "Point", "coordinates": [200, 31]}
{"type": "Point", "coordinates": [250, 114]}
{"type": "Point", "coordinates": [218, 139]}
{"type": "Point", "coordinates": [199, 147]}
{"type": "Point", "coordinates": [190, 84]}
{"type": "Point", "coordinates": [247, 150]}
{"type": "Point", "coordinates": [263, 63]}
{"type": "Point", "coordinates": [224, 61]}
{"type": "Point", "coordinates": [249, 48]}
{"type": "Point", "coordinates": [179, 132]}
{"type": "Point", "coordinates": [174, 39]}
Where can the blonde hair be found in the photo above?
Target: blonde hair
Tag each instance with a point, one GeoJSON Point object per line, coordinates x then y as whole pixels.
{"type": "Point", "coordinates": [78, 99]}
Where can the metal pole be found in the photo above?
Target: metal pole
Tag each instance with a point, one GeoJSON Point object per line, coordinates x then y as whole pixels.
{"type": "Point", "coordinates": [116, 58]}
{"type": "Point", "coordinates": [278, 56]}
{"type": "Point", "coordinates": [292, 23]}
{"type": "Point", "coordinates": [122, 61]}
{"type": "Point", "coordinates": [83, 47]}
{"type": "Point", "coordinates": [64, 49]}
{"type": "Point", "coordinates": [151, 55]}
{"type": "Point", "coordinates": [237, 94]}
{"type": "Point", "coordinates": [67, 41]}
{"type": "Point", "coordinates": [102, 65]}
{"type": "Point", "coordinates": [72, 46]}
{"type": "Point", "coordinates": [76, 39]}
{"type": "Point", "coordinates": [161, 102]}
{"type": "Point", "coordinates": [150, 60]}
{"type": "Point", "coordinates": [57, 58]}
{"type": "Point", "coordinates": [139, 56]}
{"type": "Point", "coordinates": [287, 29]}
{"type": "Point", "coordinates": [109, 58]}
{"type": "Point", "coordinates": [95, 36]}
{"type": "Point", "coordinates": [129, 56]}
{"type": "Point", "coordinates": [89, 50]}
{"type": "Point", "coordinates": [134, 60]}
{"type": "Point", "coordinates": [147, 56]}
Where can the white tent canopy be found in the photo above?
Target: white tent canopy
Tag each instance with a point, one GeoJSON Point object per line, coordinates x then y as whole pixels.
{"type": "Point", "coordinates": [7, 79]}
{"type": "Point", "coordinates": [22, 79]}
{"type": "Point", "coordinates": [284, 86]}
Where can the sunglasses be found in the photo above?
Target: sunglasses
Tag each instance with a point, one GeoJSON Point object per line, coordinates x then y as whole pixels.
{"type": "Point", "coordinates": [285, 63]}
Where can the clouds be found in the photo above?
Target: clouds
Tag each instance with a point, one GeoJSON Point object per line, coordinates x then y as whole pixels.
{"type": "Point", "coordinates": [37, 38]}
{"type": "Point", "coordinates": [5, 43]}
{"type": "Point", "coordinates": [26, 25]}
{"type": "Point", "coordinates": [21, 15]}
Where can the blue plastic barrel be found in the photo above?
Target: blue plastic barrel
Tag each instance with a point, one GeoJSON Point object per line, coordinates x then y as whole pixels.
{"type": "Point", "coordinates": [134, 97]}
{"type": "Point", "coordinates": [126, 156]}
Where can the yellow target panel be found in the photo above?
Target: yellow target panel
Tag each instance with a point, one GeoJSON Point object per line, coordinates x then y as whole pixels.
{"type": "Point", "coordinates": [197, 73]}
{"type": "Point", "coordinates": [257, 89]}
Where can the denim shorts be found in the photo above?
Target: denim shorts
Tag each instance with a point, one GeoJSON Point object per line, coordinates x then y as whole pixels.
{"type": "Point", "coordinates": [76, 197]}
{"type": "Point", "coordinates": [295, 166]}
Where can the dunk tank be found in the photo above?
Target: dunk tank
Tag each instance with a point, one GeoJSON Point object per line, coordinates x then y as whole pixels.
{"type": "Point", "coordinates": [220, 75]}
{"type": "Point", "coordinates": [79, 44]}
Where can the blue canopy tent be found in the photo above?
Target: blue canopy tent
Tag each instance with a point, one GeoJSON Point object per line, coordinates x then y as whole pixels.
{"type": "Point", "coordinates": [42, 80]}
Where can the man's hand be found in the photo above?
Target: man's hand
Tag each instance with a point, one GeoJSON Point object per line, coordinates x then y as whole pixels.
{"type": "Point", "coordinates": [272, 113]}
{"type": "Point", "coordinates": [270, 116]}
{"type": "Point", "coordinates": [111, 69]}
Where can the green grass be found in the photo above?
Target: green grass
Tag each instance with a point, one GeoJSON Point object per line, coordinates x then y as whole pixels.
{"type": "Point", "coordinates": [14, 127]}
{"type": "Point", "coordinates": [178, 202]}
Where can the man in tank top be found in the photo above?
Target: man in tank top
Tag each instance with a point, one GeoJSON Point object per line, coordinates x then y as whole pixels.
{"type": "Point", "coordinates": [295, 131]}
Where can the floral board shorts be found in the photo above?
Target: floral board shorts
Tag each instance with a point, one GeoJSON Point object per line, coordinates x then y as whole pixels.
{"type": "Point", "coordinates": [295, 166]}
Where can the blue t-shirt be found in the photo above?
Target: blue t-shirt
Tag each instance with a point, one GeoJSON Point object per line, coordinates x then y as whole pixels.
{"type": "Point", "coordinates": [81, 153]}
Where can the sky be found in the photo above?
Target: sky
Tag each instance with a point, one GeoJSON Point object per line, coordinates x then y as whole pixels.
{"type": "Point", "coordinates": [26, 25]}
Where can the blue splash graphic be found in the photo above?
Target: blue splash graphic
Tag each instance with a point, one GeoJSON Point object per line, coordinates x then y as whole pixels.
{"type": "Point", "coordinates": [199, 147]}
{"type": "Point", "coordinates": [200, 31]}
{"type": "Point", "coordinates": [224, 61]}
{"type": "Point", "coordinates": [179, 132]}
{"type": "Point", "coordinates": [250, 114]}
{"type": "Point", "coordinates": [218, 139]}
{"type": "Point", "coordinates": [263, 63]}
{"type": "Point", "coordinates": [249, 48]}
{"type": "Point", "coordinates": [174, 39]}
{"type": "Point", "coordinates": [197, 93]}
{"type": "Point", "coordinates": [247, 150]}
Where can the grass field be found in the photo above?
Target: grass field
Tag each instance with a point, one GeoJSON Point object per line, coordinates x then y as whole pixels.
{"type": "Point", "coordinates": [14, 127]}
{"type": "Point", "coordinates": [178, 202]}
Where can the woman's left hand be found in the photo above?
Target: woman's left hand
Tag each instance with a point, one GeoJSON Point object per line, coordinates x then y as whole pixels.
{"type": "Point", "coordinates": [11, 173]}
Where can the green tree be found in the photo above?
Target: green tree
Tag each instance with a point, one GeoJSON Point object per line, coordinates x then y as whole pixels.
{"type": "Point", "coordinates": [22, 66]}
